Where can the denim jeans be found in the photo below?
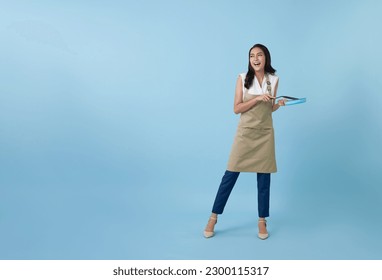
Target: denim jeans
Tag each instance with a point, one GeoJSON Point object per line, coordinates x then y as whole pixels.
{"type": "Point", "coordinates": [227, 184]}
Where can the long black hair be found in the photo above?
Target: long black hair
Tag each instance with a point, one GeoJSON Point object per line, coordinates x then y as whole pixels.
{"type": "Point", "coordinates": [251, 72]}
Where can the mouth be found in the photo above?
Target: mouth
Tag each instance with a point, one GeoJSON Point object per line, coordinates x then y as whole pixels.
{"type": "Point", "coordinates": [257, 64]}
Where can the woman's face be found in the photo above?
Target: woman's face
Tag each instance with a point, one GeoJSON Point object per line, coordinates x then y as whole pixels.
{"type": "Point", "coordinates": [257, 59]}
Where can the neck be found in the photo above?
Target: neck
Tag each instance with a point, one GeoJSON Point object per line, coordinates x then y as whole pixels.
{"type": "Point", "coordinates": [259, 75]}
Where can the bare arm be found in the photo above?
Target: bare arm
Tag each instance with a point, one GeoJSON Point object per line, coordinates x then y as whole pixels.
{"type": "Point", "coordinates": [239, 105]}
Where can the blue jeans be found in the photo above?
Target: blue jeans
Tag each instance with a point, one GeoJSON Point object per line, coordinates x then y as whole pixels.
{"type": "Point", "coordinates": [227, 184]}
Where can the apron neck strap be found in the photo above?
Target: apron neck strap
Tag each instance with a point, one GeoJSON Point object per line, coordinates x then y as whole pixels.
{"type": "Point", "coordinates": [269, 86]}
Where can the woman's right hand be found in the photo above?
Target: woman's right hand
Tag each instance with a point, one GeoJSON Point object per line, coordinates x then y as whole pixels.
{"type": "Point", "coordinates": [264, 97]}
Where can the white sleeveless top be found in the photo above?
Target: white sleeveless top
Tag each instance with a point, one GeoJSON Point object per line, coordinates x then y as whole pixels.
{"type": "Point", "coordinates": [256, 89]}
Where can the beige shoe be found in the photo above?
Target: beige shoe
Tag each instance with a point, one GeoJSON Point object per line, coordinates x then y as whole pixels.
{"type": "Point", "coordinates": [208, 234]}
{"type": "Point", "coordinates": [263, 235]}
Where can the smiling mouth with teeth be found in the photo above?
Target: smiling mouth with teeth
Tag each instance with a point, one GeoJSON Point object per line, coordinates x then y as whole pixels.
{"type": "Point", "coordinates": [257, 64]}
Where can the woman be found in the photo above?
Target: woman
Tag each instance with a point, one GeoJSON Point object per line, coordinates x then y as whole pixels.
{"type": "Point", "coordinates": [253, 149]}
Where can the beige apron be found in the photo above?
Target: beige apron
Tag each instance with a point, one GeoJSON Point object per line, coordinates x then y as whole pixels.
{"type": "Point", "coordinates": [253, 149]}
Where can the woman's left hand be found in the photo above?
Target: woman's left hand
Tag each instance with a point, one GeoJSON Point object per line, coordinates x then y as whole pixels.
{"type": "Point", "coordinates": [281, 102]}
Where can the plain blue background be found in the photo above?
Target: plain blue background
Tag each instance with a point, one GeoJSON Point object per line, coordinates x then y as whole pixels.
{"type": "Point", "coordinates": [116, 123]}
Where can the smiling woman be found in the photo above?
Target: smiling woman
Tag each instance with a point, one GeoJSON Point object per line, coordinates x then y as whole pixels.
{"type": "Point", "coordinates": [254, 148]}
